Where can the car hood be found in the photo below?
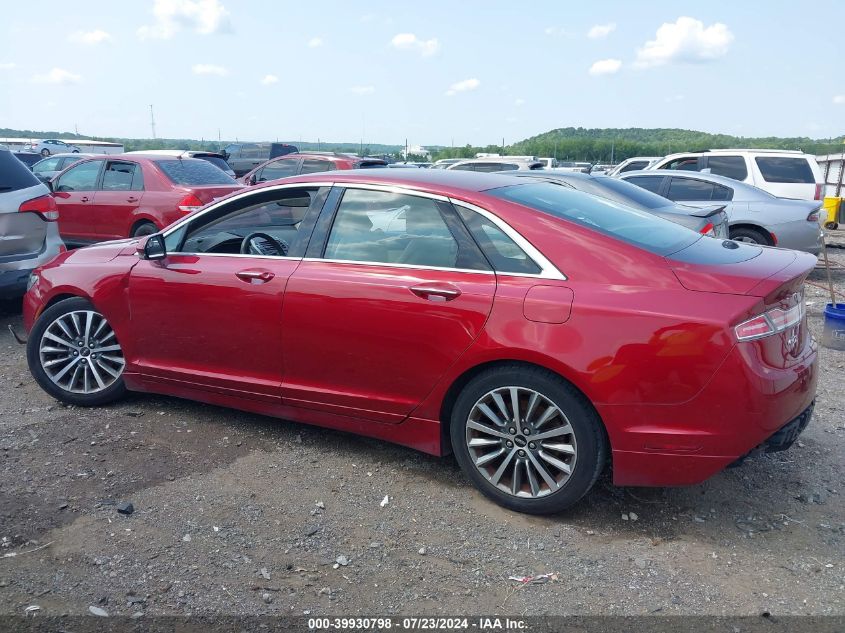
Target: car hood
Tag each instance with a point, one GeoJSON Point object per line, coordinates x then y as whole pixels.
{"type": "Point", "coordinates": [101, 252]}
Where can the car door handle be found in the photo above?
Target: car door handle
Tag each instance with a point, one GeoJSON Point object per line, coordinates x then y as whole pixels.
{"type": "Point", "coordinates": [132, 199]}
{"type": "Point", "coordinates": [84, 199]}
{"type": "Point", "coordinates": [255, 276]}
{"type": "Point", "coordinates": [436, 292]}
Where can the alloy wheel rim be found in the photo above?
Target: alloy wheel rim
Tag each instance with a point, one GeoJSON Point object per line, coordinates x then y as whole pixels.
{"type": "Point", "coordinates": [80, 353]}
{"type": "Point", "coordinates": [746, 240]}
{"type": "Point", "coordinates": [521, 442]}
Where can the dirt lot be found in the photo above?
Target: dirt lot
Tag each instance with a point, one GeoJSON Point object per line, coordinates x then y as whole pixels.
{"type": "Point", "coordinates": [235, 513]}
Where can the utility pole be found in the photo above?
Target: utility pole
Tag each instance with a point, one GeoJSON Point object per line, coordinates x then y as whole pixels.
{"type": "Point", "coordinates": [612, 151]}
{"type": "Point", "coordinates": [218, 135]}
{"type": "Point", "coordinates": [503, 146]}
{"type": "Point", "coordinates": [406, 150]}
{"type": "Point", "coordinates": [152, 121]}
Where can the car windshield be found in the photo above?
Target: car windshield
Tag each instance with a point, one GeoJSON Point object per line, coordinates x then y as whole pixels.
{"type": "Point", "coordinates": [639, 228]}
{"type": "Point", "coordinates": [194, 172]}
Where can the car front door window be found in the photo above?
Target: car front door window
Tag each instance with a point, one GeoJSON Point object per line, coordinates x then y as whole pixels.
{"type": "Point", "coordinates": [80, 178]}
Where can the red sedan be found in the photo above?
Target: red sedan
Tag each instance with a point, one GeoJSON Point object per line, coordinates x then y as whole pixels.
{"type": "Point", "coordinates": [307, 163]}
{"type": "Point", "coordinates": [537, 332]}
{"type": "Point", "coordinates": [117, 196]}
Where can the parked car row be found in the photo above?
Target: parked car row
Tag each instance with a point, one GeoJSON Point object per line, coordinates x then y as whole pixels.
{"type": "Point", "coordinates": [539, 333]}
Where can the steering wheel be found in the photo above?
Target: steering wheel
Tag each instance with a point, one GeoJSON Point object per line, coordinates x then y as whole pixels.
{"type": "Point", "coordinates": [259, 243]}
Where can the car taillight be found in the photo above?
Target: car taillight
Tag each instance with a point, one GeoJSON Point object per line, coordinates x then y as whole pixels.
{"type": "Point", "coordinates": [770, 322]}
{"type": "Point", "coordinates": [814, 216]}
{"type": "Point", "coordinates": [819, 189]}
{"type": "Point", "coordinates": [45, 206]}
{"type": "Point", "coordinates": [708, 229]}
{"type": "Point", "coordinates": [190, 203]}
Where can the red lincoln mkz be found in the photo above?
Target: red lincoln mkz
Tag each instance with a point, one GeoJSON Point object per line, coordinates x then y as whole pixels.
{"type": "Point", "coordinates": [537, 332]}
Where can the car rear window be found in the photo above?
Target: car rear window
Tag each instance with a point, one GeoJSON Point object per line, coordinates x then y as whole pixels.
{"type": "Point", "coordinates": [625, 191]}
{"type": "Point", "coordinates": [785, 169]}
{"type": "Point", "coordinates": [14, 174]}
{"type": "Point", "coordinates": [194, 172]}
{"type": "Point", "coordinates": [370, 164]}
{"type": "Point", "coordinates": [640, 228]}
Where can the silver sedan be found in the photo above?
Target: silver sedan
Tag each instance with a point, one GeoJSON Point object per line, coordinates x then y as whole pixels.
{"type": "Point", "coordinates": [754, 215]}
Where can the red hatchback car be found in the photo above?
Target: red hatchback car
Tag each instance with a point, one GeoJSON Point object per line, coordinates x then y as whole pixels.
{"type": "Point", "coordinates": [117, 196]}
{"type": "Point", "coordinates": [537, 332]}
{"type": "Point", "coordinates": [307, 163]}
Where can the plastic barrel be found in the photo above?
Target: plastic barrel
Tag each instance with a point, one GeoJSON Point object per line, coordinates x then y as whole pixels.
{"type": "Point", "coordinates": [834, 326]}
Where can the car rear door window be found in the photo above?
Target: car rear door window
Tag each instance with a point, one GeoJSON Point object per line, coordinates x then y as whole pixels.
{"type": "Point", "coordinates": [636, 165]}
{"type": "Point", "coordinates": [81, 177]}
{"type": "Point", "coordinates": [785, 169]}
{"type": "Point", "coordinates": [315, 165]}
{"type": "Point", "coordinates": [118, 176]}
{"type": "Point", "coordinates": [465, 167]}
{"type": "Point", "coordinates": [194, 171]}
{"type": "Point", "coordinates": [505, 255]}
{"type": "Point", "coordinates": [728, 166]}
{"type": "Point", "coordinates": [649, 183]}
{"type": "Point", "coordinates": [691, 189]}
{"type": "Point", "coordinates": [278, 169]}
{"type": "Point", "coordinates": [389, 228]}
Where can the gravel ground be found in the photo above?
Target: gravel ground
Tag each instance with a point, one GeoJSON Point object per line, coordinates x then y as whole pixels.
{"type": "Point", "coordinates": [241, 514]}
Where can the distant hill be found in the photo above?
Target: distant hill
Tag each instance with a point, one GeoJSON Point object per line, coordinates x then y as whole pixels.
{"type": "Point", "coordinates": [595, 144]}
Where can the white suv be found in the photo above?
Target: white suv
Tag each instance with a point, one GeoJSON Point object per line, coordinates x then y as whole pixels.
{"type": "Point", "coordinates": [783, 173]}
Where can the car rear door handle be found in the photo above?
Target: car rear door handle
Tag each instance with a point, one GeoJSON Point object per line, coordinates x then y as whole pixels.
{"type": "Point", "coordinates": [132, 199]}
{"type": "Point", "coordinates": [436, 292]}
{"type": "Point", "coordinates": [84, 199]}
{"type": "Point", "coordinates": [255, 276]}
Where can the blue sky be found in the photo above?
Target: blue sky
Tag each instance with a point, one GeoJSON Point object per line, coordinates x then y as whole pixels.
{"type": "Point", "coordinates": [434, 72]}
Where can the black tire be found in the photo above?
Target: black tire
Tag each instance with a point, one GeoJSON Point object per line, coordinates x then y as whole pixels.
{"type": "Point", "coordinates": [751, 236]}
{"type": "Point", "coordinates": [113, 392]}
{"type": "Point", "coordinates": [76, 151]}
{"type": "Point", "coordinates": [143, 229]}
{"type": "Point", "coordinates": [586, 426]}
{"type": "Point", "coordinates": [45, 152]}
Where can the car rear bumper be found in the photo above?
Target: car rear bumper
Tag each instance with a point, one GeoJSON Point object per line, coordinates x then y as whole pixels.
{"type": "Point", "coordinates": [742, 408]}
{"type": "Point", "coordinates": [13, 282]}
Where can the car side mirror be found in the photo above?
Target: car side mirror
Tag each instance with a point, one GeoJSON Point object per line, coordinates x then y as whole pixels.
{"type": "Point", "coordinates": [153, 248]}
{"type": "Point", "coordinates": [46, 181]}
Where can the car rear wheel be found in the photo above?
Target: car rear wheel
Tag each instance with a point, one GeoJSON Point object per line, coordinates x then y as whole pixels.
{"type": "Point", "coordinates": [45, 152]}
{"type": "Point", "coordinates": [527, 439]}
{"type": "Point", "coordinates": [74, 355]}
{"type": "Point", "coordinates": [144, 228]}
{"type": "Point", "coordinates": [750, 236]}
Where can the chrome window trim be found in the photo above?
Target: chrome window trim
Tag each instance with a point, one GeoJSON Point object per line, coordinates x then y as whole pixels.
{"type": "Point", "coordinates": [547, 269]}
{"type": "Point", "coordinates": [355, 262]}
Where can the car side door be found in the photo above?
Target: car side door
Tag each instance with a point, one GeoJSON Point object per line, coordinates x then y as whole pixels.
{"type": "Point", "coordinates": [74, 191]}
{"type": "Point", "coordinates": [208, 315]}
{"type": "Point", "coordinates": [118, 197]}
{"type": "Point", "coordinates": [379, 309]}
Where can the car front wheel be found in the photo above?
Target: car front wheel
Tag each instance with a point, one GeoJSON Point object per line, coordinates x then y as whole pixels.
{"type": "Point", "coordinates": [527, 439]}
{"type": "Point", "coordinates": [144, 228]}
{"type": "Point", "coordinates": [74, 355]}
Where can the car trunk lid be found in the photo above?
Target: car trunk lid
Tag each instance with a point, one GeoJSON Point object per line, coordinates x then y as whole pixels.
{"type": "Point", "coordinates": [209, 193]}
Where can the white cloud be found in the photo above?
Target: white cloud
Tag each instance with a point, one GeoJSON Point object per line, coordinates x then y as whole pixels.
{"type": "Point", "coordinates": [362, 90]}
{"type": "Point", "coordinates": [838, 99]}
{"type": "Point", "coordinates": [203, 16]}
{"type": "Point", "coordinates": [685, 40]}
{"type": "Point", "coordinates": [58, 76]}
{"type": "Point", "coordinates": [462, 86]}
{"type": "Point", "coordinates": [519, 102]}
{"type": "Point", "coordinates": [315, 42]}
{"type": "Point", "coordinates": [601, 30]}
{"type": "Point", "coordinates": [209, 69]}
{"type": "Point", "coordinates": [409, 41]}
{"type": "Point", "coordinates": [605, 67]}
{"type": "Point", "coordinates": [7, 65]}
{"type": "Point", "coordinates": [97, 36]}
{"type": "Point", "coordinates": [269, 79]}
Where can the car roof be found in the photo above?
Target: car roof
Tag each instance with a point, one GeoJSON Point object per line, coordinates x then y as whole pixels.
{"type": "Point", "coordinates": [70, 155]}
{"type": "Point", "coordinates": [424, 179]}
